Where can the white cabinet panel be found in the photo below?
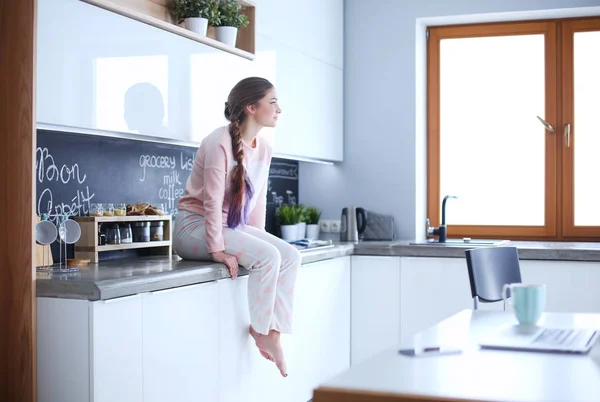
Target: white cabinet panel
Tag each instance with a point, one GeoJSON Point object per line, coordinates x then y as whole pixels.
{"type": "Point", "coordinates": [311, 98]}
{"type": "Point", "coordinates": [572, 287]}
{"type": "Point", "coordinates": [244, 375]}
{"type": "Point", "coordinates": [181, 335]}
{"type": "Point", "coordinates": [432, 289]}
{"type": "Point", "coordinates": [321, 339]}
{"type": "Point", "coordinates": [100, 70]}
{"type": "Point", "coordinates": [116, 333]}
{"type": "Point", "coordinates": [314, 27]}
{"type": "Point", "coordinates": [375, 305]}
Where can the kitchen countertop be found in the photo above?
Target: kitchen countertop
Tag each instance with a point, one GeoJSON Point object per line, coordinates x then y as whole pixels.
{"type": "Point", "coordinates": [528, 250]}
{"type": "Point", "coordinates": [117, 278]}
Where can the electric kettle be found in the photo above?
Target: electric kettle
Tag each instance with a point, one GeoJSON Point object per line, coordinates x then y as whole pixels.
{"type": "Point", "coordinates": [353, 223]}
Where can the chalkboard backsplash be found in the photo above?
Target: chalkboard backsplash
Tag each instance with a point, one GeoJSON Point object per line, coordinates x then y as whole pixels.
{"type": "Point", "coordinates": [74, 170]}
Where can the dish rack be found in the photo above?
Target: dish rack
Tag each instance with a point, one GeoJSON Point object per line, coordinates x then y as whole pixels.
{"type": "Point", "coordinates": [88, 248]}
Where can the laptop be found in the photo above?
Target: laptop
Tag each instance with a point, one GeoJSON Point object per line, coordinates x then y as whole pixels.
{"type": "Point", "coordinates": [542, 339]}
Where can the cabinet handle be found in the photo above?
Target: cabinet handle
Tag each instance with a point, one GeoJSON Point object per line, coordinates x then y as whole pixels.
{"type": "Point", "coordinates": [568, 134]}
{"type": "Point", "coordinates": [119, 299]}
{"type": "Point", "coordinates": [180, 288]}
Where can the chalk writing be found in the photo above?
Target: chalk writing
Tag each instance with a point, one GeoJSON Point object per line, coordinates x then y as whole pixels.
{"type": "Point", "coordinates": [47, 169]}
{"type": "Point", "coordinates": [282, 170]}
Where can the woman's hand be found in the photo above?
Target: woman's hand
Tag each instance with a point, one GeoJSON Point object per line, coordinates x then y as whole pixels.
{"type": "Point", "coordinates": [229, 260]}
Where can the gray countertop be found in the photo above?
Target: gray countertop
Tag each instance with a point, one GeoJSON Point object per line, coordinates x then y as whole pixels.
{"type": "Point", "coordinates": [117, 278]}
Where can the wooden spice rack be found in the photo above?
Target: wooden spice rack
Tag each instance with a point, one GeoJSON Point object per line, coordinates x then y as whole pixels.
{"type": "Point", "coordinates": [87, 247]}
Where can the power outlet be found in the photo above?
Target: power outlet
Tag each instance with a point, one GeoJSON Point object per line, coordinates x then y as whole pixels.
{"type": "Point", "coordinates": [325, 226]}
{"type": "Point", "coordinates": [335, 226]}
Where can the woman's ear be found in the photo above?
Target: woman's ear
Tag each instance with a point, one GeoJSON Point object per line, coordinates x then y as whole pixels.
{"type": "Point", "coordinates": [251, 109]}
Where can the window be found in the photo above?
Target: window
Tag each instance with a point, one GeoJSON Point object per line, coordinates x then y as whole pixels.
{"type": "Point", "coordinates": [511, 130]}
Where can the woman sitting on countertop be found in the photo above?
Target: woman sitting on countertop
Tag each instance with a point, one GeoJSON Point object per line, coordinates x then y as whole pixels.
{"type": "Point", "coordinates": [222, 213]}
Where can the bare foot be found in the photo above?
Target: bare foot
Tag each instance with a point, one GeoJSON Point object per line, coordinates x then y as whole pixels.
{"type": "Point", "coordinates": [256, 337]}
{"type": "Point", "coordinates": [270, 345]}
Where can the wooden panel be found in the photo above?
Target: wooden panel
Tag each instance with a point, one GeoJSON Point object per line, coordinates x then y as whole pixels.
{"type": "Point", "coordinates": [325, 394]}
{"type": "Point", "coordinates": [17, 145]}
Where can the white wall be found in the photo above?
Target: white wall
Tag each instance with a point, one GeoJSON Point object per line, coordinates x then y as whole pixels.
{"type": "Point", "coordinates": [384, 101]}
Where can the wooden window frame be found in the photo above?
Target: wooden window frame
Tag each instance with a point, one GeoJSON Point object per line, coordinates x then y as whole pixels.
{"type": "Point", "coordinates": [558, 170]}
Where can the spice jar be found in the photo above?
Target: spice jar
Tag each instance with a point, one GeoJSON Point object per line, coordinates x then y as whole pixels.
{"type": "Point", "coordinates": [95, 209]}
{"type": "Point", "coordinates": [126, 234]}
{"type": "Point", "coordinates": [108, 209]}
{"type": "Point", "coordinates": [120, 210]}
{"type": "Point", "coordinates": [156, 231]}
{"type": "Point", "coordinates": [141, 231]}
{"type": "Point", "coordinates": [114, 235]}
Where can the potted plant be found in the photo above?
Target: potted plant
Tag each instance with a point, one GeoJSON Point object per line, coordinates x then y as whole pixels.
{"type": "Point", "coordinates": [197, 15]}
{"type": "Point", "coordinates": [312, 217]}
{"type": "Point", "coordinates": [230, 20]}
{"type": "Point", "coordinates": [301, 221]}
{"type": "Point", "coordinates": [288, 222]}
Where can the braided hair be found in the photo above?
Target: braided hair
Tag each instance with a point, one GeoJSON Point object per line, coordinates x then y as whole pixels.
{"type": "Point", "coordinates": [248, 91]}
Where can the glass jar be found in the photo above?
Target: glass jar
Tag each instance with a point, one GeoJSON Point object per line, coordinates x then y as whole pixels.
{"type": "Point", "coordinates": [120, 209]}
{"type": "Point", "coordinates": [114, 235]}
{"type": "Point", "coordinates": [156, 231]}
{"type": "Point", "coordinates": [141, 231]}
{"type": "Point", "coordinates": [126, 234]}
{"type": "Point", "coordinates": [96, 209]}
{"type": "Point", "coordinates": [108, 209]}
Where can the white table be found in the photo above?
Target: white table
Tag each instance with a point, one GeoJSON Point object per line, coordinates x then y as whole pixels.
{"type": "Point", "coordinates": [475, 374]}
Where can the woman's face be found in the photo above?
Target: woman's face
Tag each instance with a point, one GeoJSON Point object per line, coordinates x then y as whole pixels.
{"type": "Point", "coordinates": [267, 110]}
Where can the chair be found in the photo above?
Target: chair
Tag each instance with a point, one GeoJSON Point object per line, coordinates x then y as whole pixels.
{"type": "Point", "coordinates": [490, 268]}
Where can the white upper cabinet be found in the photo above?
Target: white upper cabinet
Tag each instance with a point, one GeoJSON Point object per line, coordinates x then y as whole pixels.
{"type": "Point", "coordinates": [103, 71]}
{"type": "Point", "coordinates": [313, 27]}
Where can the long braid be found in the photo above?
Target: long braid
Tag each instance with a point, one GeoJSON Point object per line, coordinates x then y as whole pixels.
{"type": "Point", "coordinates": [241, 187]}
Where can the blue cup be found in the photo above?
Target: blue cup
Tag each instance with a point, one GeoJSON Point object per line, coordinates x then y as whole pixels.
{"type": "Point", "coordinates": [529, 301]}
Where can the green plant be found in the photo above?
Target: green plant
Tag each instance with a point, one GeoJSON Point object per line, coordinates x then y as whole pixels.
{"type": "Point", "coordinates": [312, 216]}
{"type": "Point", "coordinates": [208, 9]}
{"type": "Point", "coordinates": [301, 213]}
{"type": "Point", "coordinates": [288, 215]}
{"type": "Point", "coordinates": [230, 14]}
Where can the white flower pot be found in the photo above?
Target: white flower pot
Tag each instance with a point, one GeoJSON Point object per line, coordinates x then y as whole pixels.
{"type": "Point", "coordinates": [227, 35]}
{"type": "Point", "coordinates": [198, 25]}
{"type": "Point", "coordinates": [312, 232]}
{"type": "Point", "coordinates": [301, 230]}
{"type": "Point", "coordinates": [289, 232]}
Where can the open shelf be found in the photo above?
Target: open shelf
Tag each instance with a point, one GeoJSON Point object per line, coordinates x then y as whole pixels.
{"type": "Point", "coordinates": [88, 248]}
{"type": "Point", "coordinates": [156, 13]}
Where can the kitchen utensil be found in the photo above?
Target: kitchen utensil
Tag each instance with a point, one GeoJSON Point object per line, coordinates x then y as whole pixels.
{"type": "Point", "coordinates": [353, 223]}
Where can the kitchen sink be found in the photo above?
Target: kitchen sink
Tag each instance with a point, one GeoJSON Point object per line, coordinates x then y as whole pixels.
{"type": "Point", "coordinates": [465, 242]}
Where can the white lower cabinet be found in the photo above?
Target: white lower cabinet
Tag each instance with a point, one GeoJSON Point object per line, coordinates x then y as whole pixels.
{"type": "Point", "coordinates": [375, 305]}
{"type": "Point", "coordinates": [180, 345]}
{"type": "Point", "coordinates": [89, 351]}
{"type": "Point", "coordinates": [191, 343]}
{"type": "Point", "coordinates": [318, 349]}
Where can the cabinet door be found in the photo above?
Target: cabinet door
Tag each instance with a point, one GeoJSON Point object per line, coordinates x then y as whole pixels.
{"type": "Point", "coordinates": [321, 339]}
{"type": "Point", "coordinates": [571, 287]}
{"type": "Point", "coordinates": [375, 305]}
{"type": "Point", "coordinates": [244, 375]}
{"type": "Point", "coordinates": [181, 328]}
{"type": "Point", "coordinates": [431, 290]}
{"type": "Point", "coordinates": [117, 349]}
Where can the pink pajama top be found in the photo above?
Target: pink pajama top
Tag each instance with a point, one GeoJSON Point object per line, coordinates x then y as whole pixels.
{"type": "Point", "coordinates": [208, 189]}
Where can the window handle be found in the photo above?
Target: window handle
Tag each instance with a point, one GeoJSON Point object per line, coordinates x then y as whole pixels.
{"type": "Point", "coordinates": [568, 134]}
{"type": "Point", "coordinates": [547, 125]}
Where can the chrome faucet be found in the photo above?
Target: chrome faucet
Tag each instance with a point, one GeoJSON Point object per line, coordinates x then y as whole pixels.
{"type": "Point", "coordinates": [441, 230]}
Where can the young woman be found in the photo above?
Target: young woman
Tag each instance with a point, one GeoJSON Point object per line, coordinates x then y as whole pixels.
{"type": "Point", "coordinates": [222, 213]}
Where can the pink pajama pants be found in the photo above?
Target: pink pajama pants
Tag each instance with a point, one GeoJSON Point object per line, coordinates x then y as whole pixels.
{"type": "Point", "coordinates": [273, 265]}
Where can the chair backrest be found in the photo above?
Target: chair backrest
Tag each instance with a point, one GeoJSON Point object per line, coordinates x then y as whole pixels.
{"type": "Point", "coordinates": [490, 268]}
